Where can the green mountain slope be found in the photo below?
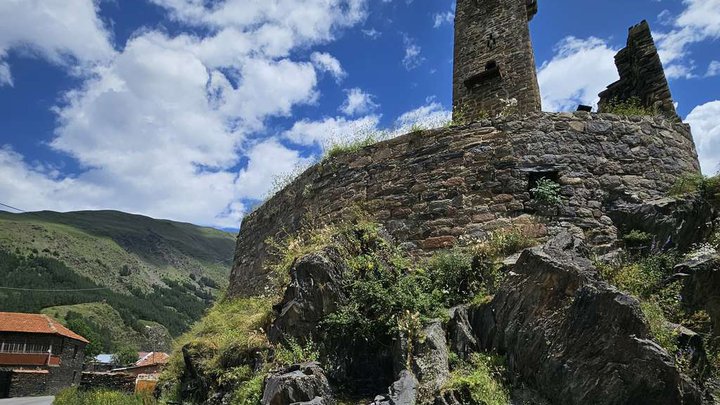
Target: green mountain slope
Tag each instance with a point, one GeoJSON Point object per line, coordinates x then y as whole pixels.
{"type": "Point", "coordinates": [134, 269]}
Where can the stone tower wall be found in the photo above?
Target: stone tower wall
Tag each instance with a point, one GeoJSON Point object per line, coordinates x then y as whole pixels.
{"type": "Point", "coordinates": [493, 58]}
{"type": "Point", "coordinates": [431, 188]}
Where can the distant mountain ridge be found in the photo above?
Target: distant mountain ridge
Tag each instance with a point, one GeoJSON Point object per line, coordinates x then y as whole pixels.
{"type": "Point", "coordinates": [158, 271]}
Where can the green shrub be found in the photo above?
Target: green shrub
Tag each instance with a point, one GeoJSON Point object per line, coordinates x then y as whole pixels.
{"type": "Point", "coordinates": [482, 377]}
{"type": "Point", "coordinates": [230, 325]}
{"type": "Point", "coordinates": [707, 187]}
{"type": "Point", "coordinates": [546, 192]}
{"type": "Point", "coordinates": [628, 107]}
{"type": "Point", "coordinates": [249, 392]}
{"type": "Point", "coordinates": [292, 352]}
{"type": "Point", "coordinates": [73, 396]}
{"type": "Point", "coordinates": [663, 335]}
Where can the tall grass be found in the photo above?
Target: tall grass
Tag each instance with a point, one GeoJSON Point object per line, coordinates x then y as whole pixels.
{"type": "Point", "coordinates": [73, 396]}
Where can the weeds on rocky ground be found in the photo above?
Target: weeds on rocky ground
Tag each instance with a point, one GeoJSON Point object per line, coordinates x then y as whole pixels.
{"type": "Point", "coordinates": [629, 107]}
{"type": "Point", "coordinates": [389, 293]}
{"type": "Point", "coordinates": [482, 376]}
{"type": "Point", "coordinates": [708, 187]}
{"type": "Point", "coordinates": [74, 396]}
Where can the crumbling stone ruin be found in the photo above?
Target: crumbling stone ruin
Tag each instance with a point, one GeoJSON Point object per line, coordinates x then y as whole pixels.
{"type": "Point", "coordinates": [567, 335]}
{"type": "Point", "coordinates": [641, 75]}
{"type": "Point", "coordinates": [494, 60]}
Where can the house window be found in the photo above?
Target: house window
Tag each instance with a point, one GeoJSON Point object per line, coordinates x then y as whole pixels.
{"type": "Point", "coordinates": [75, 350]}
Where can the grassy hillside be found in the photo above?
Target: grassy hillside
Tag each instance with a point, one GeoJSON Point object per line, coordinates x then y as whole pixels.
{"type": "Point", "coordinates": [140, 277]}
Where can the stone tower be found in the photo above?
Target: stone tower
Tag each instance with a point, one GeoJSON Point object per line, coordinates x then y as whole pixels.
{"type": "Point", "coordinates": [494, 59]}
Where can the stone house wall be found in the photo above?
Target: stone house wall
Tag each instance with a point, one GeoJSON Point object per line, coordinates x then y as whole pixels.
{"type": "Point", "coordinates": [430, 188]}
{"type": "Point", "coordinates": [26, 380]}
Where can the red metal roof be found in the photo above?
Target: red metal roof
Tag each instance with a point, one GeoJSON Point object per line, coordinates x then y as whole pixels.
{"type": "Point", "coordinates": [35, 323]}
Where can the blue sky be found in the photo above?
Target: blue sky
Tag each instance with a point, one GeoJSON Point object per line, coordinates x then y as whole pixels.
{"type": "Point", "coordinates": [194, 110]}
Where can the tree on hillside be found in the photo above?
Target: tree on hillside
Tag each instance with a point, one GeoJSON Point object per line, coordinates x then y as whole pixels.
{"type": "Point", "coordinates": [126, 356]}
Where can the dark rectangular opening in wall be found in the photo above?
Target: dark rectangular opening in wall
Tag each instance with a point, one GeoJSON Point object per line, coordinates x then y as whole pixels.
{"type": "Point", "coordinates": [491, 72]}
{"type": "Point", "coordinates": [5, 378]}
{"type": "Point", "coordinates": [535, 176]}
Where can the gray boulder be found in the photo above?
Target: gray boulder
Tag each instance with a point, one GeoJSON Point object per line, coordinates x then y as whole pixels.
{"type": "Point", "coordinates": [426, 359]}
{"type": "Point", "coordinates": [575, 339]}
{"type": "Point", "coordinates": [314, 292]}
{"type": "Point", "coordinates": [461, 339]}
{"type": "Point", "coordinates": [675, 222]}
{"type": "Point", "coordinates": [702, 285]}
{"type": "Point", "coordinates": [298, 384]}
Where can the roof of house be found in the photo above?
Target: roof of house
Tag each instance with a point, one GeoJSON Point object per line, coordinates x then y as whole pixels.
{"type": "Point", "coordinates": [152, 358]}
{"type": "Point", "coordinates": [35, 323]}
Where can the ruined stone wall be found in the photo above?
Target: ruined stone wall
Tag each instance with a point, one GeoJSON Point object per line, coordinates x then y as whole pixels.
{"type": "Point", "coordinates": [641, 75]}
{"type": "Point", "coordinates": [431, 188]}
{"type": "Point", "coordinates": [493, 58]}
{"type": "Point", "coordinates": [124, 382]}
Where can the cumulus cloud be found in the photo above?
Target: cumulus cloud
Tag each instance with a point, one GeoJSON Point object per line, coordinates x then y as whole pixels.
{"type": "Point", "coordinates": [699, 21]}
{"type": "Point", "coordinates": [327, 63]}
{"type": "Point", "coordinates": [705, 122]}
{"type": "Point", "coordinates": [173, 126]}
{"type": "Point", "coordinates": [63, 32]}
{"type": "Point", "coordinates": [579, 70]}
{"type": "Point", "coordinates": [357, 102]}
{"type": "Point", "coordinates": [331, 130]}
{"type": "Point", "coordinates": [431, 115]}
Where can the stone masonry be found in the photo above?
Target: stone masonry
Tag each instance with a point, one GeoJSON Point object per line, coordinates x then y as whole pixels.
{"type": "Point", "coordinates": [641, 75]}
{"type": "Point", "coordinates": [494, 60]}
{"type": "Point", "coordinates": [433, 188]}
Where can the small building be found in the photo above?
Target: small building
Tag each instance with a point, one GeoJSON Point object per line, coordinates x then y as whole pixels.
{"type": "Point", "coordinates": [38, 355]}
{"type": "Point", "coordinates": [149, 363]}
{"type": "Point", "coordinates": [101, 363]}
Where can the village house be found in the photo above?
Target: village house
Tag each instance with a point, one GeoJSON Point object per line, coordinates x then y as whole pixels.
{"type": "Point", "coordinates": [38, 355]}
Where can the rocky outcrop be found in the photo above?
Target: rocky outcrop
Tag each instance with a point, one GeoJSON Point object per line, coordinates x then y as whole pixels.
{"type": "Point", "coordinates": [298, 384]}
{"type": "Point", "coordinates": [575, 339]}
{"type": "Point", "coordinates": [314, 292]}
{"type": "Point", "coordinates": [641, 75]}
{"type": "Point", "coordinates": [426, 360]}
{"type": "Point", "coordinates": [461, 339]}
{"type": "Point", "coordinates": [675, 223]}
{"type": "Point", "coordinates": [702, 285]}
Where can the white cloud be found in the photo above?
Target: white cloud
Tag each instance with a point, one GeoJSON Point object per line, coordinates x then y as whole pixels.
{"type": "Point", "coordinates": [705, 122]}
{"type": "Point", "coordinates": [713, 69]}
{"type": "Point", "coordinates": [413, 57]}
{"type": "Point", "coordinates": [443, 18]}
{"type": "Point", "coordinates": [431, 115]}
{"type": "Point", "coordinates": [332, 130]}
{"type": "Point", "coordinates": [358, 102]}
{"type": "Point", "coordinates": [161, 125]}
{"type": "Point", "coordinates": [306, 21]}
{"type": "Point", "coordinates": [63, 32]}
{"type": "Point", "coordinates": [579, 70]}
{"type": "Point", "coordinates": [327, 63]}
{"type": "Point", "coordinates": [372, 33]}
{"type": "Point", "coordinates": [5, 75]}
{"type": "Point", "coordinates": [699, 21]}
{"type": "Point", "coordinates": [267, 160]}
